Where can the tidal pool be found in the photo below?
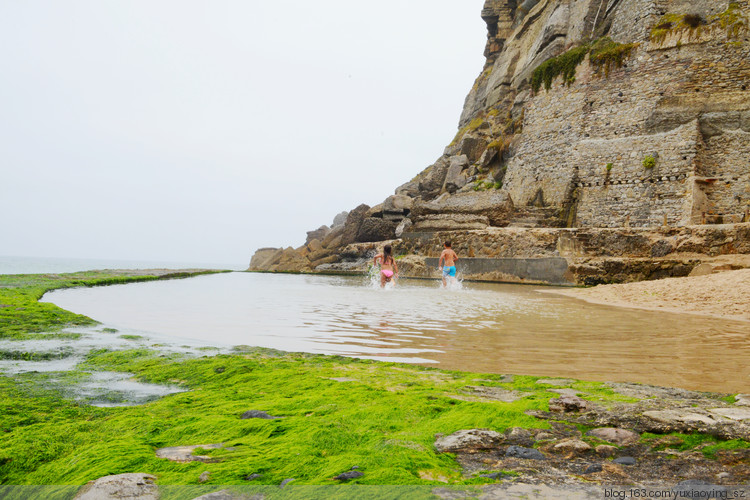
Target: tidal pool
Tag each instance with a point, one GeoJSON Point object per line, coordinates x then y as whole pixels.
{"type": "Point", "coordinates": [479, 327]}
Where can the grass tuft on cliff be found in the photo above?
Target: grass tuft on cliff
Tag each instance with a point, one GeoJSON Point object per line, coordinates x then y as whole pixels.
{"type": "Point", "coordinates": [733, 21]}
{"type": "Point", "coordinates": [603, 53]}
{"type": "Point", "coordinates": [563, 65]}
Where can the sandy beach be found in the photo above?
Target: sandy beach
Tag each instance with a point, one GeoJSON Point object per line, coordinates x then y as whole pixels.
{"type": "Point", "coordinates": [725, 295]}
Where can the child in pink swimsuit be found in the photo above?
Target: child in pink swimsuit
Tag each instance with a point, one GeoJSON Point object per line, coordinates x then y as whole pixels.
{"type": "Point", "coordinates": [388, 267]}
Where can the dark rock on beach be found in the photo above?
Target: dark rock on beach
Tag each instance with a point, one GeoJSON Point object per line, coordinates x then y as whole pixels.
{"type": "Point", "coordinates": [257, 414]}
{"type": "Point", "coordinates": [593, 468]}
{"type": "Point", "coordinates": [353, 474]}
{"type": "Point", "coordinates": [625, 461]}
{"type": "Point", "coordinates": [527, 453]}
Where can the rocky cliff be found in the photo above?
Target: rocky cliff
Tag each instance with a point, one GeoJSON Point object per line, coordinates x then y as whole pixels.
{"type": "Point", "coordinates": [623, 118]}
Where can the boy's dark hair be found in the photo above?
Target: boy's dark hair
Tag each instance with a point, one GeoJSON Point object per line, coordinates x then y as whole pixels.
{"type": "Point", "coordinates": [448, 243]}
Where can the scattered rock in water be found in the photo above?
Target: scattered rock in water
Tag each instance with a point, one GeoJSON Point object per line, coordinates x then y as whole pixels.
{"type": "Point", "coordinates": [205, 477]}
{"type": "Point", "coordinates": [519, 436]}
{"type": "Point", "coordinates": [185, 453]}
{"type": "Point", "coordinates": [253, 477]}
{"type": "Point", "coordinates": [286, 481]}
{"type": "Point", "coordinates": [605, 450]}
{"type": "Point", "coordinates": [696, 488]}
{"type": "Point", "coordinates": [468, 440]}
{"type": "Point", "coordinates": [566, 404]}
{"type": "Point", "coordinates": [571, 446]}
{"type": "Point", "coordinates": [661, 411]}
{"type": "Point", "coordinates": [620, 437]}
{"type": "Point", "coordinates": [135, 485]}
{"type": "Point", "coordinates": [625, 461]}
{"type": "Point", "coordinates": [346, 476]}
{"type": "Point", "coordinates": [527, 453]}
{"type": "Point", "coordinates": [257, 414]}
{"type": "Point", "coordinates": [593, 468]}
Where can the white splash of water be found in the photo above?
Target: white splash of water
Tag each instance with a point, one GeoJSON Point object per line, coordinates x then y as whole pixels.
{"type": "Point", "coordinates": [372, 279]}
{"type": "Point", "coordinates": [453, 283]}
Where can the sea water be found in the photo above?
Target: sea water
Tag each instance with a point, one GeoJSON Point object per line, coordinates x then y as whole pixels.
{"type": "Point", "coordinates": [45, 265]}
{"type": "Point", "coordinates": [479, 327]}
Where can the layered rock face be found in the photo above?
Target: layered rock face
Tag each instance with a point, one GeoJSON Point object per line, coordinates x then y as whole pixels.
{"type": "Point", "coordinates": [588, 114]}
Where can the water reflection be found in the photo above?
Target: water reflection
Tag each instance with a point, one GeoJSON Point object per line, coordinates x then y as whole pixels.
{"type": "Point", "coordinates": [483, 327]}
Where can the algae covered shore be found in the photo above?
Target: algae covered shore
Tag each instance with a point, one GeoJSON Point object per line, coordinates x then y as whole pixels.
{"type": "Point", "coordinates": [259, 417]}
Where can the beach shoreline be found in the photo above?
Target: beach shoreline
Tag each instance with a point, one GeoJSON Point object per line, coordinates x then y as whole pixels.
{"type": "Point", "coordinates": [724, 295]}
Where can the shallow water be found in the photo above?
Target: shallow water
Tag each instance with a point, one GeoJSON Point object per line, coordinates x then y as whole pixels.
{"type": "Point", "coordinates": [481, 327]}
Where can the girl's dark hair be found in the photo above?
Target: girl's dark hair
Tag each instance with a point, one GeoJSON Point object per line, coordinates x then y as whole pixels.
{"type": "Point", "coordinates": [387, 258]}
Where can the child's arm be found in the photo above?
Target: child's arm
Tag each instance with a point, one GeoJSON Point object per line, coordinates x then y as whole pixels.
{"type": "Point", "coordinates": [395, 268]}
{"type": "Point", "coordinates": [440, 260]}
{"type": "Point", "coordinates": [375, 259]}
{"type": "Point", "coordinates": [455, 256]}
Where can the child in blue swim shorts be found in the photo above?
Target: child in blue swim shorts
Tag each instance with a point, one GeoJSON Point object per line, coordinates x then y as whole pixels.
{"type": "Point", "coordinates": [447, 263]}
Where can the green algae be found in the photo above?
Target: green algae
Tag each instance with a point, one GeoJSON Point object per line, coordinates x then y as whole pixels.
{"type": "Point", "coordinates": [337, 412]}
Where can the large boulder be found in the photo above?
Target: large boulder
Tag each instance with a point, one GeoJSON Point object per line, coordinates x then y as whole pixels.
{"type": "Point", "coordinates": [469, 440]}
{"type": "Point", "coordinates": [376, 229]}
{"type": "Point", "coordinates": [353, 222]}
{"type": "Point", "coordinates": [334, 236]}
{"type": "Point", "coordinates": [339, 220]}
{"type": "Point", "coordinates": [398, 203]}
{"type": "Point", "coordinates": [376, 211]}
{"type": "Point", "coordinates": [410, 189]}
{"type": "Point", "coordinates": [318, 234]}
{"type": "Point", "coordinates": [120, 486]}
{"type": "Point", "coordinates": [433, 179]}
{"type": "Point", "coordinates": [292, 261]}
{"type": "Point", "coordinates": [473, 147]}
{"type": "Point", "coordinates": [264, 258]}
{"type": "Point", "coordinates": [496, 205]}
{"type": "Point", "coordinates": [397, 206]}
{"type": "Point", "coordinates": [456, 177]}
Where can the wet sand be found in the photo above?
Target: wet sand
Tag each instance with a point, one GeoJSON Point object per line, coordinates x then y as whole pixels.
{"type": "Point", "coordinates": [723, 295]}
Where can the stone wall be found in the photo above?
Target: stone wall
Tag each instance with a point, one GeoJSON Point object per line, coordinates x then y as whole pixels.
{"type": "Point", "coordinates": [683, 100]}
{"type": "Point", "coordinates": [626, 193]}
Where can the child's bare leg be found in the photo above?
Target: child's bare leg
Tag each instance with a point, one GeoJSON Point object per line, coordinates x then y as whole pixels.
{"type": "Point", "coordinates": [382, 280]}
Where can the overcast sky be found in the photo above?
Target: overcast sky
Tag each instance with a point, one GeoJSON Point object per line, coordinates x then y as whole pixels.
{"type": "Point", "coordinates": [186, 130]}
